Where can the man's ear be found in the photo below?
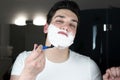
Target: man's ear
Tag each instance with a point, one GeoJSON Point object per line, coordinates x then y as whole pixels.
{"type": "Point", "coordinates": [46, 28]}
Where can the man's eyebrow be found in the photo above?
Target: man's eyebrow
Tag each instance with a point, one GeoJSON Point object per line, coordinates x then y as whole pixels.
{"type": "Point", "coordinates": [75, 20]}
{"type": "Point", "coordinates": [60, 16]}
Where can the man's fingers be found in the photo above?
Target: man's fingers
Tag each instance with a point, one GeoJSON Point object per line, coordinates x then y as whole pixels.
{"type": "Point", "coordinates": [113, 72]}
{"type": "Point", "coordinates": [118, 71]}
{"type": "Point", "coordinates": [106, 76]}
{"type": "Point", "coordinates": [37, 50]}
{"type": "Point", "coordinates": [35, 46]}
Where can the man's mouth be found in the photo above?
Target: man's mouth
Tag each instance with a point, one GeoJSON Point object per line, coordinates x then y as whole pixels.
{"type": "Point", "coordinates": [63, 33]}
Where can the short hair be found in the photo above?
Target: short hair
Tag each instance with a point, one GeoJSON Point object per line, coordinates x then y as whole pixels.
{"type": "Point", "coordinates": [65, 4]}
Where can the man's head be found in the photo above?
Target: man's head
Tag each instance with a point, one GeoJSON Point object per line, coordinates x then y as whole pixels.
{"type": "Point", "coordinates": [62, 23]}
{"type": "Point", "coordinates": [65, 4]}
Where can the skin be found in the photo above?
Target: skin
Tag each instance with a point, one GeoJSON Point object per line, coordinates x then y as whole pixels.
{"type": "Point", "coordinates": [64, 19]}
{"type": "Point", "coordinates": [112, 73]}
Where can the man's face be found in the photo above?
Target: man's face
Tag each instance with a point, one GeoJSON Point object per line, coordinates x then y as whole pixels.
{"type": "Point", "coordinates": [65, 20]}
{"type": "Point", "coordinates": [62, 29]}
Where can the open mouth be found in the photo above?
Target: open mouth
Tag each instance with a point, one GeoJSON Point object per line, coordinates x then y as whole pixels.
{"type": "Point", "coordinates": [63, 33]}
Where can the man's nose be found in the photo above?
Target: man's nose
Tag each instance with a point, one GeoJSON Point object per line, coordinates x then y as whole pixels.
{"type": "Point", "coordinates": [65, 27]}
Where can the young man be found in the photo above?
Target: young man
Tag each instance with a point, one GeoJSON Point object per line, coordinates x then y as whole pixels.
{"type": "Point", "coordinates": [57, 62]}
{"type": "Point", "coordinates": [112, 73]}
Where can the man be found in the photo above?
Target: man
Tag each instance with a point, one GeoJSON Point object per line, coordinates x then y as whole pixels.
{"type": "Point", "coordinates": [57, 62]}
{"type": "Point", "coordinates": [112, 73]}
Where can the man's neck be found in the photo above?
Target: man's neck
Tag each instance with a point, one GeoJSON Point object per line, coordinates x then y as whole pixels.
{"type": "Point", "coordinates": [57, 55]}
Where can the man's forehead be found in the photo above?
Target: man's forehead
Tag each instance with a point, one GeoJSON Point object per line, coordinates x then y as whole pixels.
{"type": "Point", "coordinates": [65, 13]}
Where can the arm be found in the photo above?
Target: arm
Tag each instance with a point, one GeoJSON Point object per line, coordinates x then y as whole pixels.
{"type": "Point", "coordinates": [112, 73]}
{"type": "Point", "coordinates": [13, 77]}
{"type": "Point", "coordinates": [23, 77]}
{"type": "Point", "coordinates": [33, 65]}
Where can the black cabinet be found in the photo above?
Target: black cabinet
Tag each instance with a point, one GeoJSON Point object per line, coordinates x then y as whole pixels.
{"type": "Point", "coordinates": [22, 38]}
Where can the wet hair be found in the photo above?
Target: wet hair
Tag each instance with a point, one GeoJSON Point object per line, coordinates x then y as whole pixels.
{"type": "Point", "coordinates": [65, 4]}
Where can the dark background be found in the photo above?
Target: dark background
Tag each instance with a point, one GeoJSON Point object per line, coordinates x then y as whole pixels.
{"type": "Point", "coordinates": [93, 13]}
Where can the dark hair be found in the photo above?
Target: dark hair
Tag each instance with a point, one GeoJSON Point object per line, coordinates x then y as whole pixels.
{"type": "Point", "coordinates": [66, 4]}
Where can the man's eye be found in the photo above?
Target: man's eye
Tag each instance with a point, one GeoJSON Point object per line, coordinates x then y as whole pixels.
{"type": "Point", "coordinates": [58, 21]}
{"type": "Point", "coordinates": [72, 25]}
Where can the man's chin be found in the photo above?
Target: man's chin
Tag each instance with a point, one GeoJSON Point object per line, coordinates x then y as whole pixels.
{"type": "Point", "coordinates": [61, 47]}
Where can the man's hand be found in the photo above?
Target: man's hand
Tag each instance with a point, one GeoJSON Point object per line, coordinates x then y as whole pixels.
{"type": "Point", "coordinates": [112, 74]}
{"type": "Point", "coordinates": [34, 63]}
